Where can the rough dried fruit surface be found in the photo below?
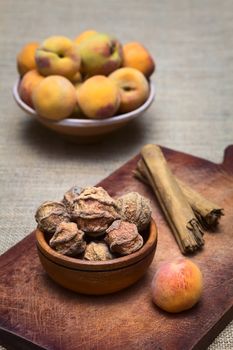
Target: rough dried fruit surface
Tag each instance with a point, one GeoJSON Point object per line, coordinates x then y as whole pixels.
{"type": "Point", "coordinates": [68, 239]}
{"type": "Point", "coordinates": [70, 196]}
{"type": "Point", "coordinates": [94, 210]}
{"type": "Point", "coordinates": [136, 209]}
{"type": "Point", "coordinates": [50, 214]}
{"type": "Point", "coordinates": [84, 215]}
{"type": "Point", "coordinates": [97, 251]}
{"type": "Point", "coordinates": [123, 237]}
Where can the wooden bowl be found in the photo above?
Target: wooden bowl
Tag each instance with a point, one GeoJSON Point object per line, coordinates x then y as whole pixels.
{"type": "Point", "coordinates": [86, 130]}
{"type": "Point", "coordinates": [97, 277]}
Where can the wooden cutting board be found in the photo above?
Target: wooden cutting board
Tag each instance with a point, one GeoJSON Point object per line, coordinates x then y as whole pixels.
{"type": "Point", "coordinates": [36, 313]}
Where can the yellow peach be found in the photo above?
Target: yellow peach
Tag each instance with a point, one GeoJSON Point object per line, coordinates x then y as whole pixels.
{"type": "Point", "coordinates": [133, 86]}
{"type": "Point", "coordinates": [177, 285]}
{"type": "Point", "coordinates": [54, 98]}
{"type": "Point", "coordinates": [58, 55]}
{"type": "Point", "coordinates": [26, 58]}
{"type": "Point", "coordinates": [27, 85]}
{"type": "Point", "coordinates": [135, 55]}
{"type": "Point", "coordinates": [98, 97]}
{"type": "Point", "coordinates": [100, 54]}
{"type": "Point", "coordinates": [84, 35]}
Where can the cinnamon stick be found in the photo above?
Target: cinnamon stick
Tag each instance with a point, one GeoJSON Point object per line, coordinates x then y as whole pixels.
{"type": "Point", "coordinates": [207, 212]}
{"type": "Point", "coordinates": [173, 202]}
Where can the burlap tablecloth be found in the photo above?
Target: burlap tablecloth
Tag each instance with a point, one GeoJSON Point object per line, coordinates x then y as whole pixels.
{"type": "Point", "coordinates": [193, 112]}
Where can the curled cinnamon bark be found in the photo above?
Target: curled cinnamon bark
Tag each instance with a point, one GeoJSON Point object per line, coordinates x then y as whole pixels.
{"type": "Point", "coordinates": [172, 200]}
{"type": "Point", "coordinates": [207, 212]}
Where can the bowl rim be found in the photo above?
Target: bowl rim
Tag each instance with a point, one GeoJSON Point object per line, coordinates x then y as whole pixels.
{"type": "Point", "coordinates": [72, 122]}
{"type": "Point", "coordinates": [108, 265]}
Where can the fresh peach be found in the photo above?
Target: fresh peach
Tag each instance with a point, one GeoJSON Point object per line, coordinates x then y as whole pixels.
{"type": "Point", "coordinates": [177, 285]}
{"type": "Point", "coordinates": [84, 35]}
{"type": "Point", "coordinates": [26, 58]}
{"type": "Point", "coordinates": [134, 88]}
{"type": "Point", "coordinates": [58, 55]}
{"type": "Point", "coordinates": [27, 85]}
{"type": "Point", "coordinates": [135, 55]}
{"type": "Point", "coordinates": [98, 97]}
{"type": "Point", "coordinates": [101, 54]}
{"type": "Point", "coordinates": [54, 98]}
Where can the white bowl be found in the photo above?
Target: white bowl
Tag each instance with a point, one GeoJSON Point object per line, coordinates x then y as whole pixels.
{"type": "Point", "coordinates": [85, 129]}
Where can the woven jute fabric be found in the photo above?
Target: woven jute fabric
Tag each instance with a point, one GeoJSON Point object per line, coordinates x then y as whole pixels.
{"type": "Point", "coordinates": [191, 42]}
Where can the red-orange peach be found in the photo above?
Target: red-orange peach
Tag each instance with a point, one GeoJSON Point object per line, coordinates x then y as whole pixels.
{"type": "Point", "coordinates": [135, 55]}
{"type": "Point", "coordinates": [54, 98]}
{"type": "Point", "coordinates": [177, 285]}
{"type": "Point", "coordinates": [27, 85]}
{"type": "Point", "coordinates": [134, 88]}
{"type": "Point", "coordinates": [98, 97]}
{"type": "Point", "coordinates": [26, 58]}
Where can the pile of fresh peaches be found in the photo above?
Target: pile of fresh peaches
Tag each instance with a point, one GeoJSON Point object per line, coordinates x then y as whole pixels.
{"type": "Point", "coordinates": [93, 76]}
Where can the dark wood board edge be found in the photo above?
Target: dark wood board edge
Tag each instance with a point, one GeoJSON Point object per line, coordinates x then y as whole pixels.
{"type": "Point", "coordinates": [12, 341]}
{"type": "Point", "coordinates": [17, 249]}
{"type": "Point", "coordinates": [228, 159]}
{"type": "Point", "coordinates": [217, 328]}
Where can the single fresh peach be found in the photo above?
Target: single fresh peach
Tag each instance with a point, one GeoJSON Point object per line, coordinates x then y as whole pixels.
{"type": "Point", "coordinates": [84, 35]}
{"type": "Point", "coordinates": [98, 97]}
{"type": "Point", "coordinates": [100, 54]}
{"type": "Point", "coordinates": [26, 58]}
{"type": "Point", "coordinates": [27, 85]}
{"type": "Point", "coordinates": [54, 98]}
{"type": "Point", "coordinates": [135, 55]}
{"type": "Point", "coordinates": [134, 88]}
{"type": "Point", "coordinates": [177, 285]}
{"type": "Point", "coordinates": [58, 55]}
